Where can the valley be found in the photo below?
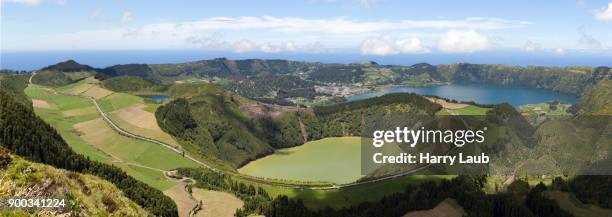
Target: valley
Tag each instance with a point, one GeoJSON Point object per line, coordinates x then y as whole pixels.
{"type": "Point", "coordinates": [286, 150]}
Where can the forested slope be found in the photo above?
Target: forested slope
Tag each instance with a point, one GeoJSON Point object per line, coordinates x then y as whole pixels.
{"type": "Point", "coordinates": [210, 122]}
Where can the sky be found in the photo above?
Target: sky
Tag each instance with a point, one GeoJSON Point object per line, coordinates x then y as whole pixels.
{"type": "Point", "coordinates": [376, 28]}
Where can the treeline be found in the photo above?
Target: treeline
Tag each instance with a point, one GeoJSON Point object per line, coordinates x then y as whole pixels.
{"type": "Point", "coordinates": [467, 191]}
{"type": "Point", "coordinates": [26, 135]}
{"type": "Point", "coordinates": [128, 83]}
{"type": "Point", "coordinates": [13, 85]}
{"type": "Point", "coordinates": [387, 99]}
{"type": "Point", "coordinates": [590, 189]}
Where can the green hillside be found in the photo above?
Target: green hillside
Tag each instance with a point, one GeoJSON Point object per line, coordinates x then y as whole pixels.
{"type": "Point", "coordinates": [215, 124]}
{"type": "Point", "coordinates": [92, 195]}
{"type": "Point", "coordinates": [132, 84]}
{"type": "Point", "coordinates": [62, 73]}
{"type": "Point", "coordinates": [598, 100]}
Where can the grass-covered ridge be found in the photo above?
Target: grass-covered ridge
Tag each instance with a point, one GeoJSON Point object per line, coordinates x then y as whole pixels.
{"type": "Point", "coordinates": [93, 195]}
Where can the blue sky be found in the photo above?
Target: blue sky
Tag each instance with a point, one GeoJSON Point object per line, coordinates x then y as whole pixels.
{"type": "Point", "coordinates": [366, 27]}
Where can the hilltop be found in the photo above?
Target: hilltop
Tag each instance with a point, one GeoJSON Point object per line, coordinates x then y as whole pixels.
{"type": "Point", "coordinates": [85, 195]}
{"type": "Point", "coordinates": [68, 66]}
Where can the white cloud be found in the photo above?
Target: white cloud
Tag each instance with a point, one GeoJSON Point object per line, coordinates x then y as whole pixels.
{"type": "Point", "coordinates": [463, 41]}
{"type": "Point", "coordinates": [382, 46]}
{"type": "Point", "coordinates": [284, 34]}
{"type": "Point", "coordinates": [126, 17]}
{"type": "Point", "coordinates": [604, 14]}
{"type": "Point", "coordinates": [377, 46]}
{"type": "Point", "coordinates": [412, 45]}
{"type": "Point", "coordinates": [289, 46]}
{"type": "Point", "coordinates": [587, 40]}
{"type": "Point", "coordinates": [343, 25]}
{"type": "Point", "coordinates": [33, 2]}
{"type": "Point", "coordinates": [25, 2]}
{"type": "Point", "coordinates": [531, 46]}
{"type": "Point", "coordinates": [245, 45]}
{"type": "Point", "coordinates": [560, 51]}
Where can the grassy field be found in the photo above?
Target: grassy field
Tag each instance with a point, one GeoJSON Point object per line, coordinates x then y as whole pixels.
{"type": "Point", "coordinates": [97, 133]}
{"type": "Point", "coordinates": [469, 110]}
{"type": "Point", "coordinates": [332, 159]}
{"type": "Point", "coordinates": [138, 120]}
{"type": "Point", "coordinates": [183, 201]}
{"type": "Point", "coordinates": [216, 203]}
{"type": "Point", "coordinates": [63, 123]}
{"type": "Point", "coordinates": [78, 122]}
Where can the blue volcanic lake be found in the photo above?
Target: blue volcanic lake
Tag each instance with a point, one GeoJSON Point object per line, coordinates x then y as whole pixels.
{"type": "Point", "coordinates": [480, 93]}
{"type": "Point", "coordinates": [156, 98]}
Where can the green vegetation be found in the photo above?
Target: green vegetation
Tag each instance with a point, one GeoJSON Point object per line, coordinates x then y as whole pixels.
{"type": "Point", "coordinates": [351, 196]}
{"type": "Point", "coordinates": [132, 84]}
{"type": "Point", "coordinates": [416, 196]}
{"type": "Point", "coordinates": [337, 160]}
{"type": "Point", "coordinates": [68, 66]}
{"type": "Point", "coordinates": [116, 101]}
{"type": "Point", "coordinates": [14, 84]}
{"type": "Point", "coordinates": [80, 126]}
{"type": "Point", "coordinates": [95, 196]}
{"type": "Point", "coordinates": [211, 124]}
{"type": "Point", "coordinates": [570, 204]}
{"type": "Point", "coordinates": [468, 110]}
{"type": "Point", "coordinates": [597, 100]}
{"type": "Point", "coordinates": [64, 123]}
{"type": "Point", "coordinates": [243, 76]}
{"type": "Point", "coordinates": [29, 136]}
{"type": "Point", "coordinates": [58, 78]}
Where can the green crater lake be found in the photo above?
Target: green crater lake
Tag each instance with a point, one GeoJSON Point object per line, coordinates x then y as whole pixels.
{"type": "Point", "coordinates": [336, 159]}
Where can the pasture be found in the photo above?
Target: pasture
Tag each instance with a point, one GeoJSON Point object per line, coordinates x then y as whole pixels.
{"type": "Point", "coordinates": [216, 203]}
{"type": "Point", "coordinates": [467, 110]}
{"type": "Point", "coordinates": [79, 124]}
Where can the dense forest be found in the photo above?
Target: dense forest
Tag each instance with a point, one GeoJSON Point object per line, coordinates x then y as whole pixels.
{"type": "Point", "coordinates": [519, 200]}
{"type": "Point", "coordinates": [26, 135]}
